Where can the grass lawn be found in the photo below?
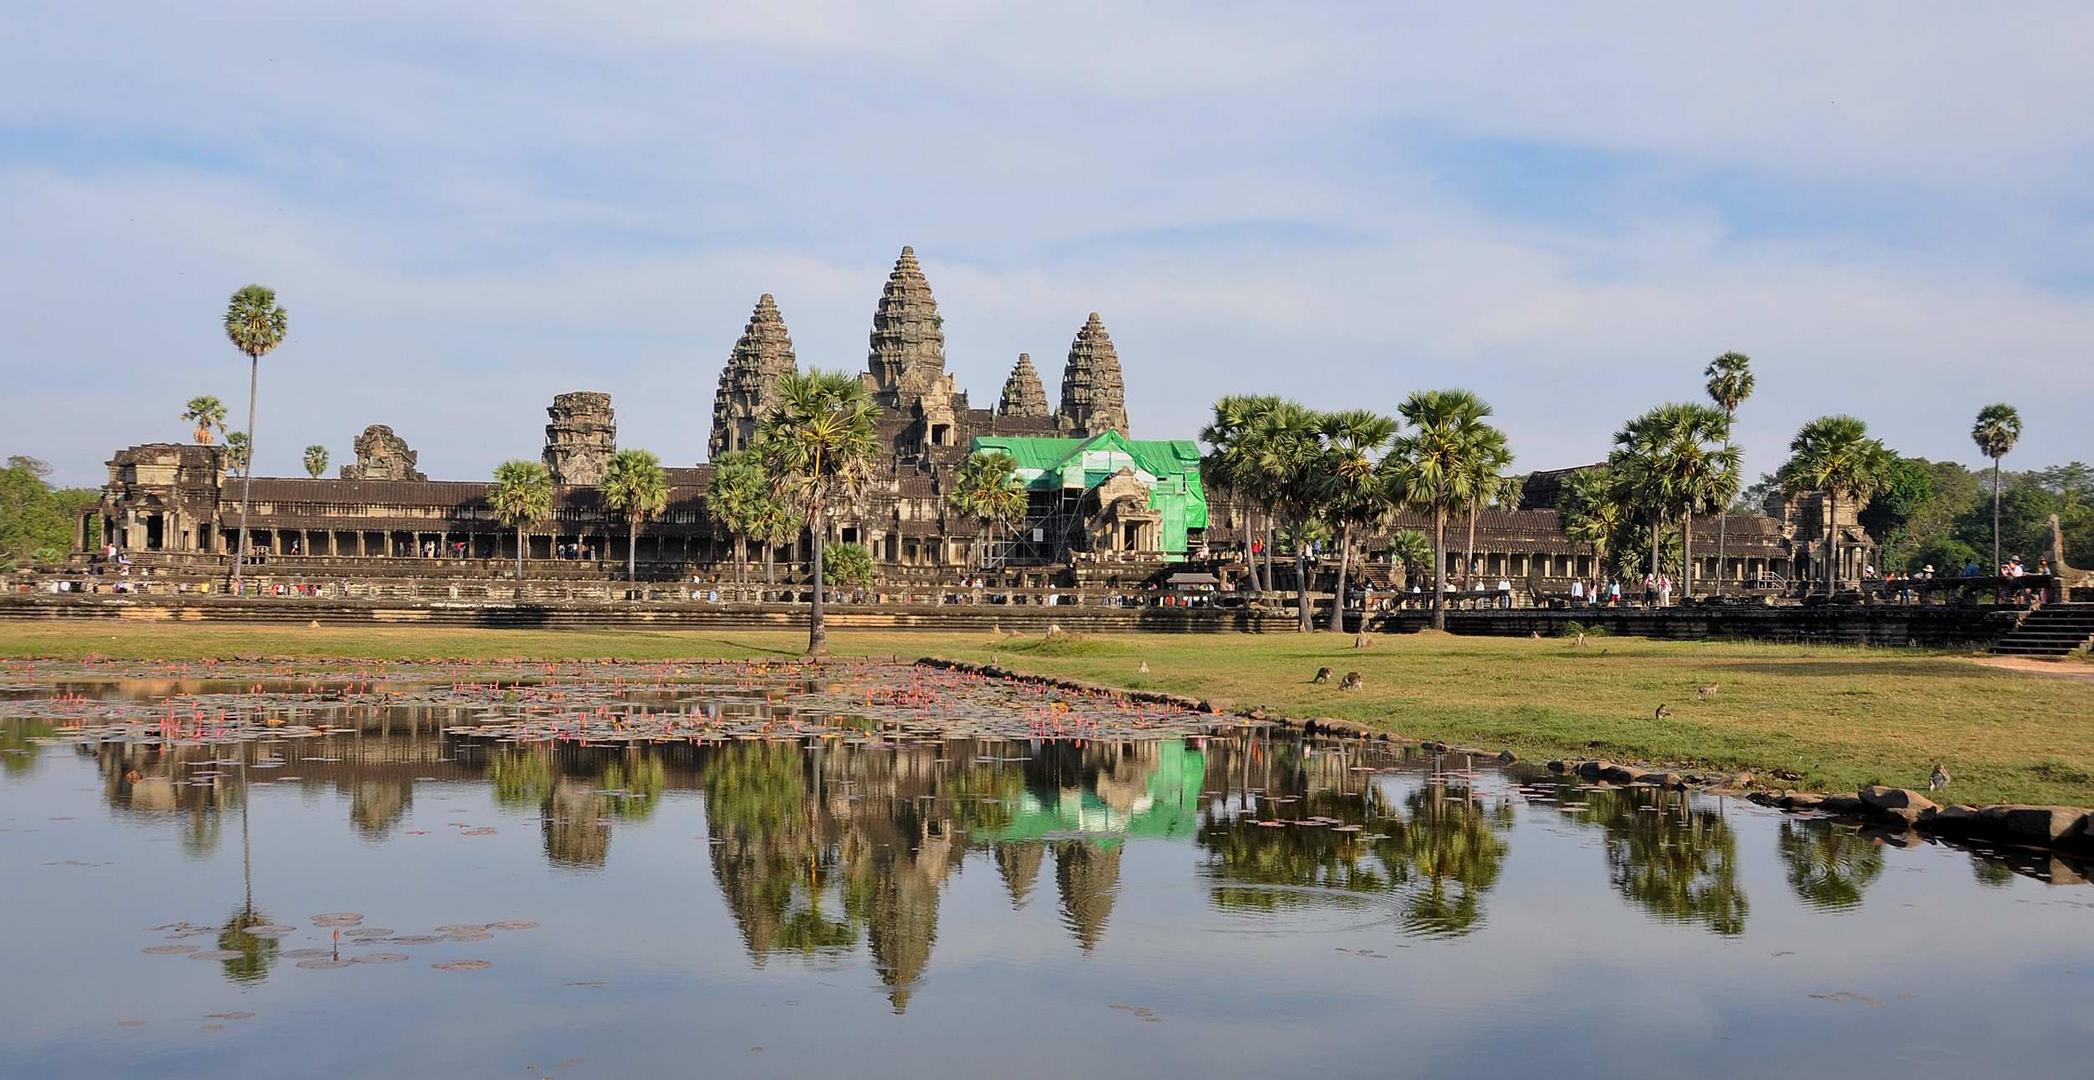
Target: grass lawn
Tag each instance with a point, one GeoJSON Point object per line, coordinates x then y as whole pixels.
{"type": "Point", "coordinates": [1840, 716]}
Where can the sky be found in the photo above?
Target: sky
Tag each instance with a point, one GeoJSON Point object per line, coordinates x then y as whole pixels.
{"type": "Point", "coordinates": [469, 207]}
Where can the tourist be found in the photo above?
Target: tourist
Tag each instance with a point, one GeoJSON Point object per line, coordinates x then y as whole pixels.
{"type": "Point", "coordinates": [1505, 593]}
{"type": "Point", "coordinates": [1664, 590]}
{"type": "Point", "coordinates": [1650, 590]}
{"type": "Point", "coordinates": [1577, 593]}
{"type": "Point", "coordinates": [1614, 594]}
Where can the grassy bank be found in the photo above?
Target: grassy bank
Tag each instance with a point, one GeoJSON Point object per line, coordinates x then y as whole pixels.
{"type": "Point", "coordinates": [1839, 716]}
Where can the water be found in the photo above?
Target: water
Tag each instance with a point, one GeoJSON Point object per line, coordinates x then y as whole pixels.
{"type": "Point", "coordinates": [854, 897]}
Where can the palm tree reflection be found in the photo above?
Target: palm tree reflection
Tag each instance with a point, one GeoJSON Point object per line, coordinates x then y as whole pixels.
{"type": "Point", "coordinates": [1829, 866]}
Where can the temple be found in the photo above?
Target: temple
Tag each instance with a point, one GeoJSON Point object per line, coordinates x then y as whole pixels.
{"type": "Point", "coordinates": [1101, 505]}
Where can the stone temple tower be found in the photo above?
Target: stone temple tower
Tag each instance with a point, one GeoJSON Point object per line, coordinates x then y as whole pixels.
{"type": "Point", "coordinates": [749, 383]}
{"type": "Point", "coordinates": [581, 438]}
{"type": "Point", "coordinates": [1023, 395]}
{"type": "Point", "coordinates": [1093, 398]}
{"type": "Point", "coordinates": [907, 360]}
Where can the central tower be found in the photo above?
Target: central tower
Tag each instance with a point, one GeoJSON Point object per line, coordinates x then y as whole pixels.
{"type": "Point", "coordinates": [907, 360]}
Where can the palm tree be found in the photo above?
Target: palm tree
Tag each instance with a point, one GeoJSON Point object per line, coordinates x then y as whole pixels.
{"type": "Point", "coordinates": [255, 324]}
{"type": "Point", "coordinates": [635, 485]}
{"type": "Point", "coordinates": [1227, 463]}
{"type": "Point", "coordinates": [738, 483]}
{"type": "Point", "coordinates": [315, 461]}
{"type": "Point", "coordinates": [1730, 383]}
{"type": "Point", "coordinates": [1286, 448]}
{"type": "Point", "coordinates": [1408, 548]}
{"type": "Point", "coordinates": [1353, 493]}
{"type": "Point", "coordinates": [1491, 459]}
{"type": "Point", "coordinates": [986, 489]}
{"type": "Point", "coordinates": [206, 412]}
{"type": "Point", "coordinates": [1997, 430]}
{"type": "Point", "coordinates": [1671, 462]}
{"type": "Point", "coordinates": [1834, 455]}
{"type": "Point", "coordinates": [236, 456]}
{"type": "Point", "coordinates": [522, 496]}
{"type": "Point", "coordinates": [1591, 514]}
{"type": "Point", "coordinates": [773, 521]}
{"type": "Point", "coordinates": [818, 442]}
{"type": "Point", "coordinates": [1433, 467]}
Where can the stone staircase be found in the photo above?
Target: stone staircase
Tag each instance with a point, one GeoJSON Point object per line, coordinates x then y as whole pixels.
{"type": "Point", "coordinates": [2051, 630]}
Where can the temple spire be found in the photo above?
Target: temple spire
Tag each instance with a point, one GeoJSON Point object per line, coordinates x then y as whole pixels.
{"type": "Point", "coordinates": [1093, 397]}
{"type": "Point", "coordinates": [749, 382]}
{"type": "Point", "coordinates": [907, 359]}
{"type": "Point", "coordinates": [1023, 393]}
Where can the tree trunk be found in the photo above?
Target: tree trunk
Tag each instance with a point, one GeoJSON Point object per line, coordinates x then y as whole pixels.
{"type": "Point", "coordinates": [1266, 520]}
{"type": "Point", "coordinates": [1468, 553]}
{"type": "Point", "coordinates": [632, 550]}
{"type": "Point", "coordinates": [254, 375]}
{"type": "Point", "coordinates": [817, 630]}
{"type": "Point", "coordinates": [770, 563]}
{"type": "Point", "coordinates": [1439, 566]}
{"type": "Point", "coordinates": [1995, 503]}
{"type": "Point", "coordinates": [1303, 622]}
{"type": "Point", "coordinates": [1687, 555]}
{"type": "Point", "coordinates": [1657, 527]}
{"type": "Point", "coordinates": [1344, 564]}
{"type": "Point", "coordinates": [1250, 560]}
{"type": "Point", "coordinates": [1832, 543]}
{"type": "Point", "coordinates": [519, 552]}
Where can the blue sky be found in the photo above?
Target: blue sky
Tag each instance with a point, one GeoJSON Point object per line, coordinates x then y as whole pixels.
{"type": "Point", "coordinates": [469, 207]}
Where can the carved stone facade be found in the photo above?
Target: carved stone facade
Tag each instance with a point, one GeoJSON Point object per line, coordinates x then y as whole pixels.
{"type": "Point", "coordinates": [749, 383]}
{"type": "Point", "coordinates": [1023, 394]}
{"type": "Point", "coordinates": [906, 363]}
{"type": "Point", "coordinates": [382, 455]}
{"type": "Point", "coordinates": [581, 438]}
{"type": "Point", "coordinates": [1093, 396]}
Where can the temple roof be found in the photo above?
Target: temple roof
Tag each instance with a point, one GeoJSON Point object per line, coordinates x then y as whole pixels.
{"type": "Point", "coordinates": [907, 355]}
{"type": "Point", "coordinates": [1093, 395]}
{"type": "Point", "coordinates": [1023, 393]}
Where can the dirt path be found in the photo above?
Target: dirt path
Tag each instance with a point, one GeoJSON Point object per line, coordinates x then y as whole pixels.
{"type": "Point", "coordinates": [2066, 669]}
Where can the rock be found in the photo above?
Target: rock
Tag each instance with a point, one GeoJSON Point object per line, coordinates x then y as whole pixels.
{"type": "Point", "coordinates": [1957, 820]}
{"type": "Point", "coordinates": [1507, 757]}
{"type": "Point", "coordinates": [2040, 825]}
{"type": "Point", "coordinates": [1763, 798]}
{"type": "Point", "coordinates": [1618, 774]}
{"type": "Point", "coordinates": [1802, 800]}
{"type": "Point", "coordinates": [1435, 747]}
{"type": "Point", "coordinates": [1670, 781]}
{"type": "Point", "coordinates": [1559, 766]}
{"type": "Point", "coordinates": [1842, 804]}
{"type": "Point", "coordinates": [1901, 805]}
{"type": "Point", "coordinates": [1590, 770]}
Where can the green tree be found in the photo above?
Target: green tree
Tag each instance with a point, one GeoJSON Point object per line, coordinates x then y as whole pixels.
{"type": "Point", "coordinates": [1490, 460]}
{"type": "Point", "coordinates": [1352, 494]}
{"type": "Point", "coordinates": [316, 461]}
{"type": "Point", "coordinates": [236, 453]}
{"type": "Point", "coordinates": [1432, 467]}
{"type": "Point", "coordinates": [1997, 430]}
{"type": "Point", "coordinates": [1591, 513]}
{"type": "Point", "coordinates": [1231, 463]}
{"type": "Point", "coordinates": [1672, 462]}
{"type": "Point", "coordinates": [205, 412]}
{"type": "Point", "coordinates": [848, 566]}
{"type": "Point", "coordinates": [818, 442]}
{"type": "Point", "coordinates": [635, 485]}
{"type": "Point", "coordinates": [1730, 383]}
{"type": "Point", "coordinates": [1411, 550]}
{"type": "Point", "coordinates": [522, 496]}
{"type": "Point", "coordinates": [737, 482]}
{"type": "Point", "coordinates": [1834, 456]}
{"type": "Point", "coordinates": [256, 325]}
{"type": "Point", "coordinates": [37, 522]}
{"type": "Point", "coordinates": [985, 488]}
{"type": "Point", "coordinates": [1286, 450]}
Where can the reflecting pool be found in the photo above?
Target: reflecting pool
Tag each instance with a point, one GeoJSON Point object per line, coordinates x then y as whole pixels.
{"type": "Point", "coordinates": [521, 871]}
